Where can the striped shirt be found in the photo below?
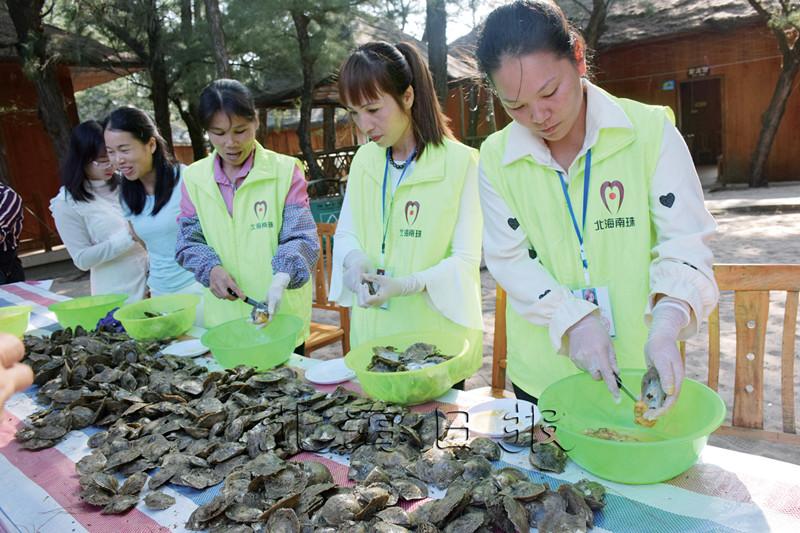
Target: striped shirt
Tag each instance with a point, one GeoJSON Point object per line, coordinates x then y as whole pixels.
{"type": "Point", "coordinates": [10, 218]}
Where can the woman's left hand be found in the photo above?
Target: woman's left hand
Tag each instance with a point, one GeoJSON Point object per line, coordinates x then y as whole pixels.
{"type": "Point", "coordinates": [275, 294]}
{"type": "Point", "coordinates": [670, 316]}
{"type": "Point", "coordinates": [387, 288]}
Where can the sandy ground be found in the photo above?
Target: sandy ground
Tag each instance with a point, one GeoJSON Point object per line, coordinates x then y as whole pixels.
{"type": "Point", "coordinates": [755, 226]}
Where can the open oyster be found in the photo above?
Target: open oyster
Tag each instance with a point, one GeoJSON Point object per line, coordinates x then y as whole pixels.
{"type": "Point", "coordinates": [652, 398]}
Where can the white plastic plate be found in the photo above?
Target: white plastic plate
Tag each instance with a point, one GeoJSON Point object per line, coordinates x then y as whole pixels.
{"type": "Point", "coordinates": [329, 372]}
{"type": "Point", "coordinates": [188, 348]}
{"type": "Point", "coordinates": [502, 417]}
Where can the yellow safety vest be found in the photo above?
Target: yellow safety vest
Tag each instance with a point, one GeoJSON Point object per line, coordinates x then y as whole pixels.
{"type": "Point", "coordinates": [247, 240]}
{"type": "Point", "coordinates": [419, 232]}
{"type": "Point", "coordinates": [618, 236]}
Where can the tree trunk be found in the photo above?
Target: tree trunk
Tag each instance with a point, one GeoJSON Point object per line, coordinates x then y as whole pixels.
{"type": "Point", "coordinates": [474, 108]}
{"type": "Point", "coordinates": [436, 32]}
{"type": "Point", "coordinates": [262, 132]}
{"type": "Point", "coordinates": [159, 91]}
{"type": "Point", "coordinates": [189, 117]}
{"type": "Point", "coordinates": [218, 39]}
{"type": "Point", "coordinates": [40, 69]}
{"type": "Point", "coordinates": [186, 19]}
{"type": "Point", "coordinates": [198, 12]}
{"type": "Point", "coordinates": [771, 119]}
{"type": "Point", "coordinates": [597, 23]}
{"type": "Point", "coordinates": [307, 59]}
{"type": "Point", "coordinates": [492, 119]}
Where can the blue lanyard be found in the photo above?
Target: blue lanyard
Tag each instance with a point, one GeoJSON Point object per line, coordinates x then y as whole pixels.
{"type": "Point", "coordinates": [587, 169]}
{"type": "Point", "coordinates": [384, 219]}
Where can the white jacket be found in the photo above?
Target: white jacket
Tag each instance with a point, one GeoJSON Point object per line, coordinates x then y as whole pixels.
{"type": "Point", "coordinates": [97, 238]}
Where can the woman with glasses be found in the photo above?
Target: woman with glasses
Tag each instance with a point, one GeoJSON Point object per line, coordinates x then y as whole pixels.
{"type": "Point", "coordinates": [89, 218]}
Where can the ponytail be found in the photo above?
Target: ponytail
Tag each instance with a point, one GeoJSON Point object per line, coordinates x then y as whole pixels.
{"type": "Point", "coordinates": [430, 122]}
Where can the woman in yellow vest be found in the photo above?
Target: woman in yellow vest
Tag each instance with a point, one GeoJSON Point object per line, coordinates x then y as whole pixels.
{"type": "Point", "coordinates": [587, 198]}
{"type": "Point", "coordinates": [245, 224]}
{"type": "Point", "coordinates": [407, 246]}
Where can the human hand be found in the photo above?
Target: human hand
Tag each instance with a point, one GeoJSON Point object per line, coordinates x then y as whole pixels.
{"type": "Point", "coordinates": [279, 283]}
{"type": "Point", "coordinates": [14, 376]}
{"type": "Point", "coordinates": [386, 288]}
{"type": "Point", "coordinates": [590, 349]}
{"type": "Point", "coordinates": [355, 265]}
{"type": "Point", "coordinates": [670, 316]}
{"type": "Point", "coordinates": [135, 237]}
{"type": "Point", "coordinates": [221, 284]}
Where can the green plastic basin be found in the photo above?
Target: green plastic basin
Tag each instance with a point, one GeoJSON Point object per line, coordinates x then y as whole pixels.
{"type": "Point", "coordinates": [180, 312]}
{"type": "Point", "coordinates": [14, 319]}
{"type": "Point", "coordinates": [86, 311]}
{"type": "Point", "coordinates": [239, 342]}
{"type": "Point", "coordinates": [413, 386]}
{"type": "Point", "coordinates": [664, 451]}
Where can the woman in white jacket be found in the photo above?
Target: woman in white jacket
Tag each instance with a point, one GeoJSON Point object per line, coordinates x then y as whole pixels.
{"type": "Point", "coordinates": [89, 218]}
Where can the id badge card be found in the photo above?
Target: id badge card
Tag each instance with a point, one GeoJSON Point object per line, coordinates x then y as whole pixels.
{"type": "Point", "coordinates": [600, 297]}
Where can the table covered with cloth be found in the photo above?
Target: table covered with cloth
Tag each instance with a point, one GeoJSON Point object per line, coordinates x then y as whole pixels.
{"type": "Point", "coordinates": [724, 491]}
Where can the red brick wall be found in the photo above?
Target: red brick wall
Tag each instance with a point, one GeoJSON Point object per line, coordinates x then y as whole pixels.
{"type": "Point", "coordinates": [747, 62]}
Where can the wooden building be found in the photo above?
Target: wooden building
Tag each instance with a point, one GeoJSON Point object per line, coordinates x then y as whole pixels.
{"type": "Point", "coordinates": [27, 159]}
{"type": "Point", "coordinates": [712, 61]}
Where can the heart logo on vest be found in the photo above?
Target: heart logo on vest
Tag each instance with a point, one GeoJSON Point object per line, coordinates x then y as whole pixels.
{"type": "Point", "coordinates": [412, 212]}
{"type": "Point", "coordinates": [260, 209]}
{"type": "Point", "coordinates": [612, 193]}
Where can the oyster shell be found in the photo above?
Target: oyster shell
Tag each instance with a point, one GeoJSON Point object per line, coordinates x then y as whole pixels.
{"type": "Point", "coordinates": [438, 467]}
{"type": "Point", "coordinates": [486, 448]}
{"type": "Point", "coordinates": [594, 493]}
{"type": "Point", "coordinates": [467, 523]}
{"type": "Point", "coordinates": [283, 521]}
{"type": "Point", "coordinates": [653, 397]}
{"type": "Point", "coordinates": [120, 504]}
{"type": "Point", "coordinates": [548, 456]}
{"type": "Point", "coordinates": [159, 501]}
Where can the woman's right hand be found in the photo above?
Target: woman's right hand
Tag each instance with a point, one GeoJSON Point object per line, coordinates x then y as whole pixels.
{"type": "Point", "coordinates": [14, 376]}
{"type": "Point", "coordinates": [219, 283]}
{"type": "Point", "coordinates": [356, 264]}
{"type": "Point", "coordinates": [590, 349]}
{"type": "Point", "coordinates": [135, 237]}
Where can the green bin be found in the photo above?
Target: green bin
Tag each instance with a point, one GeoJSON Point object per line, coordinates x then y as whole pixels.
{"type": "Point", "coordinates": [326, 209]}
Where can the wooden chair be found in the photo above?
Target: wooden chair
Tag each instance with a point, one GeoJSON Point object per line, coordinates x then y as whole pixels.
{"type": "Point", "coordinates": [751, 285]}
{"type": "Point", "coordinates": [498, 387]}
{"type": "Point", "coordinates": [324, 334]}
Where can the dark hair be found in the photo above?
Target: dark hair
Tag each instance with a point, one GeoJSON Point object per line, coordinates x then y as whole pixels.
{"type": "Point", "coordinates": [229, 96]}
{"type": "Point", "coordinates": [141, 126]}
{"type": "Point", "coordinates": [85, 144]}
{"type": "Point", "coordinates": [381, 67]}
{"type": "Point", "coordinates": [524, 27]}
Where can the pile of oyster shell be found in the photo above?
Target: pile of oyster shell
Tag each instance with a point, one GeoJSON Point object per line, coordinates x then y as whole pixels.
{"type": "Point", "coordinates": [169, 420]}
{"type": "Point", "coordinates": [418, 355]}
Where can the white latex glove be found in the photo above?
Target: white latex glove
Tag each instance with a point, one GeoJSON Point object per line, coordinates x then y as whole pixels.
{"type": "Point", "coordinates": [362, 295]}
{"type": "Point", "coordinates": [590, 349]}
{"type": "Point", "coordinates": [279, 283]}
{"type": "Point", "coordinates": [355, 264]}
{"type": "Point", "coordinates": [670, 316]}
{"type": "Point", "coordinates": [386, 287]}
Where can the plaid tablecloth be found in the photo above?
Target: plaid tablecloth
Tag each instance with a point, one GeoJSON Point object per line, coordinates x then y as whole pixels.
{"type": "Point", "coordinates": [724, 491]}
